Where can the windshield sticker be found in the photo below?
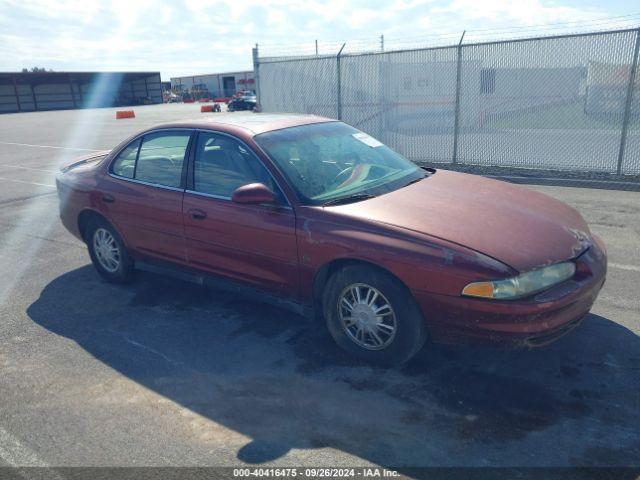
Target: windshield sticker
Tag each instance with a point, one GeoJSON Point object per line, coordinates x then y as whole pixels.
{"type": "Point", "coordinates": [367, 140]}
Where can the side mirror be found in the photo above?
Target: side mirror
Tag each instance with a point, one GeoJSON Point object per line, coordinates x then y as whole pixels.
{"type": "Point", "coordinates": [252, 194]}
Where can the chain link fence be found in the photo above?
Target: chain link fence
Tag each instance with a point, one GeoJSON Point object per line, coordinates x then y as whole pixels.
{"type": "Point", "coordinates": [567, 102]}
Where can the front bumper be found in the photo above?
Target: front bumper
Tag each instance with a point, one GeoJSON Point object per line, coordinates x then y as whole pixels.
{"type": "Point", "coordinates": [529, 322]}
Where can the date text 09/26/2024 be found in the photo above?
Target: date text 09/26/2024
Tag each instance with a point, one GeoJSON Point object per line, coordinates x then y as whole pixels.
{"type": "Point", "coordinates": [364, 472]}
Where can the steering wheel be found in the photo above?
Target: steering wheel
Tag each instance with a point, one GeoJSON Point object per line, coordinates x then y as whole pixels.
{"type": "Point", "coordinates": [346, 173]}
{"type": "Point", "coordinates": [173, 162]}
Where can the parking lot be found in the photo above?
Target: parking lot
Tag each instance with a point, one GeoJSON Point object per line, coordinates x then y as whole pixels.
{"type": "Point", "coordinates": [167, 373]}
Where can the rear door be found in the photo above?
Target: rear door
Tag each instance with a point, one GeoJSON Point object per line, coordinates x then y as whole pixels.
{"type": "Point", "coordinates": [255, 244]}
{"type": "Point", "coordinates": [145, 194]}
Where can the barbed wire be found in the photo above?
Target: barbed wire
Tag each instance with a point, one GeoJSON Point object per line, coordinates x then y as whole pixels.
{"type": "Point", "coordinates": [381, 43]}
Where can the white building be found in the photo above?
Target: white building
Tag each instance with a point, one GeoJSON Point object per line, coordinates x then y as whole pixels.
{"type": "Point", "coordinates": [218, 84]}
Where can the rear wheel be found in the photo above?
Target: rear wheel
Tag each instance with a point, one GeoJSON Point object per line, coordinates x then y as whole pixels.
{"type": "Point", "coordinates": [107, 252]}
{"type": "Point", "coordinates": [372, 316]}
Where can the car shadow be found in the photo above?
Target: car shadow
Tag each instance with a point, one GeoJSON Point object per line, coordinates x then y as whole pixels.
{"type": "Point", "coordinates": [279, 379]}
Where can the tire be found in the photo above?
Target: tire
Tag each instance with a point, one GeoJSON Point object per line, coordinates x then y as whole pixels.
{"type": "Point", "coordinates": [100, 232]}
{"type": "Point", "coordinates": [398, 335]}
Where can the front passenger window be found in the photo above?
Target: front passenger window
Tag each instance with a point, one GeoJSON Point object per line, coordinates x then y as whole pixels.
{"type": "Point", "coordinates": [223, 164]}
{"type": "Point", "coordinates": [161, 158]}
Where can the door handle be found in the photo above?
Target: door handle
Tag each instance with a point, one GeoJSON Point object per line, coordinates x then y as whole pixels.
{"type": "Point", "coordinates": [108, 198]}
{"type": "Point", "coordinates": [197, 214]}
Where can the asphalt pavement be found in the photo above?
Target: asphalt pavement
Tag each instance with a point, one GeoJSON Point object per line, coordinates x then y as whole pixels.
{"type": "Point", "coordinates": [162, 372]}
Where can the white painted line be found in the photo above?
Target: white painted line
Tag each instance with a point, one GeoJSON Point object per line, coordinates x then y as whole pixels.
{"type": "Point", "coordinates": [27, 168]}
{"type": "Point", "coordinates": [621, 266]}
{"type": "Point", "coordinates": [28, 183]}
{"type": "Point", "coordinates": [51, 146]}
{"type": "Point", "coordinates": [16, 454]}
{"type": "Point", "coordinates": [152, 350]}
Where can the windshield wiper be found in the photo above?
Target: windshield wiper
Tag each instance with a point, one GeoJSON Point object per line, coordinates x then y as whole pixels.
{"type": "Point", "coordinates": [415, 181]}
{"type": "Point", "coordinates": [428, 173]}
{"type": "Point", "coordinates": [356, 197]}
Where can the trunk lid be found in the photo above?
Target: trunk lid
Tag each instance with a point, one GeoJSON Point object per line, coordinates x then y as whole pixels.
{"type": "Point", "coordinates": [84, 159]}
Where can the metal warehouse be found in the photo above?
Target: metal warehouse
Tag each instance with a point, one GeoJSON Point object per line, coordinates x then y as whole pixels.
{"type": "Point", "coordinates": [217, 84]}
{"type": "Point", "coordinates": [29, 91]}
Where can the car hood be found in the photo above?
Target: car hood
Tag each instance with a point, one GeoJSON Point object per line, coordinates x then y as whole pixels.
{"type": "Point", "coordinates": [518, 226]}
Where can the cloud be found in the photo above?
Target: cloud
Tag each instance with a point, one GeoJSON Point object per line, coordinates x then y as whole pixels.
{"type": "Point", "coordinates": [165, 17]}
{"type": "Point", "coordinates": [362, 16]}
{"type": "Point", "coordinates": [186, 37]}
{"type": "Point", "coordinates": [525, 12]}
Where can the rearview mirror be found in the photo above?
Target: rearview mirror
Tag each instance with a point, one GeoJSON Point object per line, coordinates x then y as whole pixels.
{"type": "Point", "coordinates": [253, 193]}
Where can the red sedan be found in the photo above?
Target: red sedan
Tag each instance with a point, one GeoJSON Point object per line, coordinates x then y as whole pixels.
{"type": "Point", "coordinates": [317, 216]}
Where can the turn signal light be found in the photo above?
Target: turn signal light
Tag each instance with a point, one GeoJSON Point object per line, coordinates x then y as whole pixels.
{"type": "Point", "coordinates": [479, 289]}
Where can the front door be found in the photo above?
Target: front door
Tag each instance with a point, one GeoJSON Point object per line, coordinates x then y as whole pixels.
{"type": "Point", "coordinates": [145, 194]}
{"type": "Point", "coordinates": [255, 244]}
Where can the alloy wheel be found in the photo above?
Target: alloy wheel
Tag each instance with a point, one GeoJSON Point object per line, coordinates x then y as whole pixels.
{"type": "Point", "coordinates": [366, 316]}
{"type": "Point", "coordinates": [106, 250]}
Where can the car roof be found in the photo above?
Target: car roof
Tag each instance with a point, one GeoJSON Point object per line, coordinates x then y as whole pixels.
{"type": "Point", "coordinates": [251, 123]}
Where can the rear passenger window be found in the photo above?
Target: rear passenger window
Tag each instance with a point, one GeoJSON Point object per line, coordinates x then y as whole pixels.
{"type": "Point", "coordinates": [125, 164]}
{"type": "Point", "coordinates": [161, 158]}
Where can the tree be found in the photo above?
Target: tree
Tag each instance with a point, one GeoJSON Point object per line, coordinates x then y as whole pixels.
{"type": "Point", "coordinates": [35, 70]}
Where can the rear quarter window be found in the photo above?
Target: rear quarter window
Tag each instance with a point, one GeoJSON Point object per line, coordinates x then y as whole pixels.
{"type": "Point", "coordinates": [125, 163]}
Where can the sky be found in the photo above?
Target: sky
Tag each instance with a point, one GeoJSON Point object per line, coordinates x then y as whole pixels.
{"type": "Point", "coordinates": [207, 36]}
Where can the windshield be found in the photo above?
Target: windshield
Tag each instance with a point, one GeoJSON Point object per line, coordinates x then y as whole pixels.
{"type": "Point", "coordinates": [328, 161]}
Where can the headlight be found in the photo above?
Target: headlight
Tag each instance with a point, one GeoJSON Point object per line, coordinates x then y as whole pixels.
{"type": "Point", "coordinates": [522, 285]}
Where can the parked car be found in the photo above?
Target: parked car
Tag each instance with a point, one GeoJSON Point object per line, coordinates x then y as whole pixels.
{"type": "Point", "coordinates": [247, 102]}
{"type": "Point", "coordinates": [170, 97]}
{"type": "Point", "coordinates": [319, 217]}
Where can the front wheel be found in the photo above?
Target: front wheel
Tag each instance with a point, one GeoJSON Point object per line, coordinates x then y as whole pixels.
{"type": "Point", "coordinates": [372, 316]}
{"type": "Point", "coordinates": [107, 252]}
